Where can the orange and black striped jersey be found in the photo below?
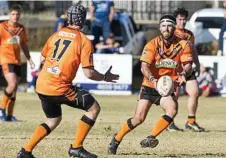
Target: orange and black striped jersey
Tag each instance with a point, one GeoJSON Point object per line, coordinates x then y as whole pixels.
{"type": "Point", "coordinates": [10, 40]}
{"type": "Point", "coordinates": [165, 61]}
{"type": "Point", "coordinates": [63, 52]}
{"type": "Point", "coordinates": [185, 35]}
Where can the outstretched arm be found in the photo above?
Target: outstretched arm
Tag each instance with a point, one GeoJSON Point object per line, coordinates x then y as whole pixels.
{"type": "Point", "coordinates": [93, 74]}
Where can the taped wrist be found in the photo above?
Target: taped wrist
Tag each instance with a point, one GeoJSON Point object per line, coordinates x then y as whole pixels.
{"type": "Point", "coordinates": [151, 78]}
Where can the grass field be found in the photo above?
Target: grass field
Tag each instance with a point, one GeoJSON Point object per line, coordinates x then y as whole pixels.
{"type": "Point", "coordinates": [115, 110]}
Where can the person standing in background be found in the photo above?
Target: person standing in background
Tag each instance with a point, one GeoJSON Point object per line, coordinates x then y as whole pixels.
{"type": "Point", "coordinates": [61, 22]}
{"type": "Point", "coordinates": [101, 15]}
{"type": "Point", "coordinates": [223, 29]}
{"type": "Point", "coordinates": [191, 85]}
{"type": "Point", "coordinates": [13, 38]}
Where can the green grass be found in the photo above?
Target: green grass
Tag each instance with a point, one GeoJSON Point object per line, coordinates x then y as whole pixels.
{"type": "Point", "coordinates": [115, 111]}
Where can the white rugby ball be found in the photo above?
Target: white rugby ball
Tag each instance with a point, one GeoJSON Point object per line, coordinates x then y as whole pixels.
{"type": "Point", "coordinates": [165, 86]}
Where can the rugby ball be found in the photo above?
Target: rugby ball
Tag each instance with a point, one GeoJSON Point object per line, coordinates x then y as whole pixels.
{"type": "Point", "coordinates": [165, 86]}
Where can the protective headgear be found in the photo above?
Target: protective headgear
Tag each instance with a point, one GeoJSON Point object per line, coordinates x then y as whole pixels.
{"type": "Point", "coordinates": [167, 18]}
{"type": "Point", "coordinates": [76, 15]}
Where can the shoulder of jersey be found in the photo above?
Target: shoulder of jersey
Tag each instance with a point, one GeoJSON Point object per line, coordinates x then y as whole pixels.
{"type": "Point", "coordinates": [189, 31]}
{"type": "Point", "coordinates": [84, 37]}
{"type": "Point", "coordinates": [154, 40]}
{"type": "Point", "coordinates": [3, 23]}
{"type": "Point", "coordinates": [182, 41]}
{"type": "Point", "coordinates": [20, 25]}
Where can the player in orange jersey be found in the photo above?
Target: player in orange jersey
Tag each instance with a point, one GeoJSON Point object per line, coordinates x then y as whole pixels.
{"type": "Point", "coordinates": [191, 85]}
{"type": "Point", "coordinates": [64, 51]}
{"type": "Point", "coordinates": [162, 55]}
{"type": "Point", "coordinates": [12, 38]}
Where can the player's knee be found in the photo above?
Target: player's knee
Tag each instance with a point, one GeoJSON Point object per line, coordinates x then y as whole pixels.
{"type": "Point", "coordinates": [138, 120]}
{"type": "Point", "coordinates": [12, 85]}
{"type": "Point", "coordinates": [194, 94]}
{"type": "Point", "coordinates": [95, 108]}
{"type": "Point", "coordinates": [172, 112]}
{"type": "Point", "coordinates": [53, 122]}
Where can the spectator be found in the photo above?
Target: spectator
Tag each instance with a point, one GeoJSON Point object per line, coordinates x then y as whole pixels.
{"type": "Point", "coordinates": [61, 22]}
{"type": "Point", "coordinates": [206, 82]}
{"type": "Point", "coordinates": [110, 47]}
{"type": "Point", "coordinates": [101, 15]}
{"type": "Point", "coordinates": [223, 29]}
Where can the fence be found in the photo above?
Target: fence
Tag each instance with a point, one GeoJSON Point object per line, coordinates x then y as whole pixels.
{"type": "Point", "coordinates": [140, 10]}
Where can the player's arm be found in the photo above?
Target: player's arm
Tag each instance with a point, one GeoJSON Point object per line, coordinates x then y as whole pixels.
{"type": "Point", "coordinates": [88, 67]}
{"type": "Point", "coordinates": [195, 54]}
{"type": "Point", "coordinates": [187, 69]}
{"type": "Point", "coordinates": [93, 74]}
{"type": "Point", "coordinates": [44, 52]}
{"type": "Point", "coordinates": [1, 29]}
{"type": "Point", "coordinates": [27, 55]}
{"type": "Point", "coordinates": [186, 61]}
{"type": "Point", "coordinates": [146, 71]}
{"type": "Point", "coordinates": [196, 59]}
{"type": "Point", "coordinates": [25, 49]}
{"type": "Point", "coordinates": [42, 59]}
{"type": "Point", "coordinates": [147, 59]}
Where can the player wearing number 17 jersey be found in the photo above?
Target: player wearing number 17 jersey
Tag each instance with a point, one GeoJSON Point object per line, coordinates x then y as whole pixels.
{"type": "Point", "coordinates": [62, 54]}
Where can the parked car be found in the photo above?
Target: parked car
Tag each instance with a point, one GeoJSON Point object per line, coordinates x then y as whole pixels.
{"type": "Point", "coordinates": [4, 18]}
{"type": "Point", "coordinates": [206, 24]}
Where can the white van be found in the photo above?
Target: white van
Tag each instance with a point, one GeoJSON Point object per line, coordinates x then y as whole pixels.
{"type": "Point", "coordinates": [4, 18]}
{"type": "Point", "coordinates": [206, 24]}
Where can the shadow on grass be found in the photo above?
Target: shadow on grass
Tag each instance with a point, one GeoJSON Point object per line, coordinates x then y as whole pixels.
{"type": "Point", "coordinates": [137, 153]}
{"type": "Point", "coordinates": [217, 130]}
{"type": "Point", "coordinates": [195, 155]}
{"type": "Point", "coordinates": [176, 155]}
{"type": "Point", "coordinates": [211, 131]}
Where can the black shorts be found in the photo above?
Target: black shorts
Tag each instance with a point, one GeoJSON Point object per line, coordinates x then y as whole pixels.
{"type": "Point", "coordinates": [11, 68]}
{"type": "Point", "coordinates": [51, 105]}
{"type": "Point", "coordinates": [150, 94]}
{"type": "Point", "coordinates": [1, 73]}
{"type": "Point", "coordinates": [191, 77]}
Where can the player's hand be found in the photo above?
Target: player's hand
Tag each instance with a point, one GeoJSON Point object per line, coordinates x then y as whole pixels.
{"type": "Point", "coordinates": [109, 77]}
{"type": "Point", "coordinates": [32, 65]}
{"type": "Point", "coordinates": [181, 79]}
{"type": "Point", "coordinates": [153, 80]}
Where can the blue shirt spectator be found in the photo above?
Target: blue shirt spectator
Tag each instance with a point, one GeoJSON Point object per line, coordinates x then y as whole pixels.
{"type": "Point", "coordinates": [101, 14]}
{"type": "Point", "coordinates": [61, 22]}
{"type": "Point", "coordinates": [102, 10]}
